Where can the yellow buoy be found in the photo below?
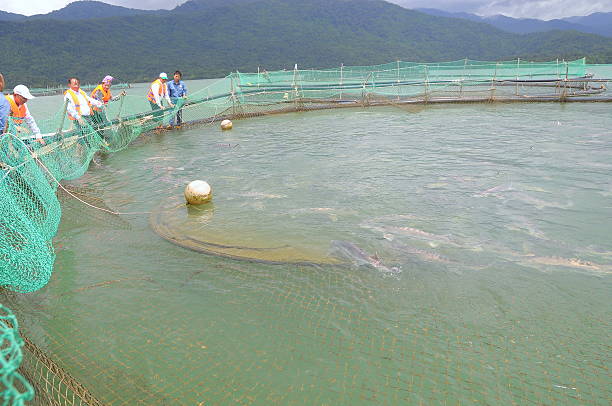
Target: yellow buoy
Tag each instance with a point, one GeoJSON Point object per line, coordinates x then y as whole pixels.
{"type": "Point", "coordinates": [198, 192]}
{"type": "Point", "coordinates": [226, 125]}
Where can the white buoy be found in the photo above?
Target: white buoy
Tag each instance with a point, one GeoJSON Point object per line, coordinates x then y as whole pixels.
{"type": "Point", "coordinates": [226, 125]}
{"type": "Point", "coordinates": [198, 192]}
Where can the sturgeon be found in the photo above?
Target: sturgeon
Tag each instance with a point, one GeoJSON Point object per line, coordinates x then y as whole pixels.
{"type": "Point", "coordinates": [357, 256]}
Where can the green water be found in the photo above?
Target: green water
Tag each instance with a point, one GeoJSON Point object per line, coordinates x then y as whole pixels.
{"type": "Point", "coordinates": [490, 225]}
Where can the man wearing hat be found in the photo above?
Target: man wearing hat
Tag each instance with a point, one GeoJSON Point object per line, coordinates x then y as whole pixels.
{"type": "Point", "coordinates": [19, 110]}
{"type": "Point", "coordinates": [159, 89]}
{"type": "Point", "coordinates": [102, 93]}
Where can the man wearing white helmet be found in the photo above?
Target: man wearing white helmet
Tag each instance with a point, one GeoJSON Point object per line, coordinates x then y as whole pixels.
{"type": "Point", "coordinates": [159, 89]}
{"type": "Point", "coordinates": [19, 110]}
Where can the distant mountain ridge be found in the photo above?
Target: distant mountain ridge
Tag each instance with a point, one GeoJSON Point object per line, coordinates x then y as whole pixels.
{"type": "Point", "coordinates": [81, 10]}
{"type": "Point", "coordinates": [597, 23]}
{"type": "Point", "coordinates": [210, 39]}
{"type": "Point", "coordinates": [5, 16]}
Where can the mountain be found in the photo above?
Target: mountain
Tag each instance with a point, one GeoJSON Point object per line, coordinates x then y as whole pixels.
{"type": "Point", "coordinates": [207, 5]}
{"type": "Point", "coordinates": [600, 22]}
{"type": "Point", "coordinates": [82, 10]}
{"type": "Point", "coordinates": [4, 16]}
{"type": "Point", "coordinates": [528, 25]}
{"type": "Point", "coordinates": [273, 34]}
{"type": "Point", "coordinates": [597, 23]}
{"type": "Point", "coordinates": [89, 9]}
{"type": "Point", "coordinates": [449, 14]}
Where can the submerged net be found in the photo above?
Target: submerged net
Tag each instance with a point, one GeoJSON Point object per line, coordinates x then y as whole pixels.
{"type": "Point", "coordinates": [31, 173]}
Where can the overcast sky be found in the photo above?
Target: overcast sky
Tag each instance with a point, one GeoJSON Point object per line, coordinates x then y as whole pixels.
{"type": "Point", "coordinates": [542, 9]}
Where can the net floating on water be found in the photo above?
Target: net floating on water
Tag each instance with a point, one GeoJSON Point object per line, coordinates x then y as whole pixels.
{"type": "Point", "coordinates": [31, 172]}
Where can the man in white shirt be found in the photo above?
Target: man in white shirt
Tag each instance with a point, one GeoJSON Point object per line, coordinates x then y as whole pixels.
{"type": "Point", "coordinates": [20, 112]}
{"type": "Point", "coordinates": [79, 103]}
{"type": "Point", "coordinates": [159, 89]}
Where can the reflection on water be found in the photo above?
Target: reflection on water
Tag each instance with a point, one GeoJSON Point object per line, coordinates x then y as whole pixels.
{"type": "Point", "coordinates": [492, 220]}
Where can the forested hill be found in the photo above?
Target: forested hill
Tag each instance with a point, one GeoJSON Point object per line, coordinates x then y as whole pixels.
{"type": "Point", "coordinates": [274, 34]}
{"type": "Point", "coordinates": [4, 16]}
{"type": "Point", "coordinates": [596, 23]}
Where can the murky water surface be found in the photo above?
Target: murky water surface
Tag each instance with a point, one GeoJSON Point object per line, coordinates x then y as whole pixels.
{"type": "Point", "coordinates": [461, 254]}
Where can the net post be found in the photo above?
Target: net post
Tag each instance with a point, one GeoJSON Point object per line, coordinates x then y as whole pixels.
{"type": "Point", "coordinates": [63, 119]}
{"type": "Point", "coordinates": [341, 79]}
{"type": "Point", "coordinates": [120, 107]}
{"type": "Point", "coordinates": [493, 80]}
{"type": "Point", "coordinates": [518, 67]}
{"type": "Point", "coordinates": [426, 96]}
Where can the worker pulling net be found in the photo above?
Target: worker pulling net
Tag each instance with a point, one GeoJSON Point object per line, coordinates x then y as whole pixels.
{"type": "Point", "coordinates": [31, 170]}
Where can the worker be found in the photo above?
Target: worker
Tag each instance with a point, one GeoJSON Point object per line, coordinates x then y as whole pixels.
{"type": "Point", "coordinates": [158, 90]}
{"type": "Point", "coordinates": [20, 113]}
{"type": "Point", "coordinates": [79, 107]}
{"type": "Point", "coordinates": [177, 90]}
{"type": "Point", "coordinates": [103, 94]}
{"type": "Point", "coordinates": [5, 107]}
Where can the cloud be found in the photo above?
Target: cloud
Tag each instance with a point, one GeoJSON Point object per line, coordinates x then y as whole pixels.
{"type": "Point", "coordinates": [147, 4]}
{"type": "Point", "coordinates": [32, 6]}
{"type": "Point", "coordinates": [542, 9]}
{"type": "Point", "coordinates": [29, 7]}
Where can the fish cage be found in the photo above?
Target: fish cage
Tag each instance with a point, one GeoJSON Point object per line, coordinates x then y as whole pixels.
{"type": "Point", "coordinates": [32, 173]}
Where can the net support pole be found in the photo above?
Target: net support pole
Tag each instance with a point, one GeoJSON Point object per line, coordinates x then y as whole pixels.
{"type": "Point", "coordinates": [341, 79]}
{"type": "Point", "coordinates": [61, 126]}
{"type": "Point", "coordinates": [564, 92]}
{"type": "Point", "coordinates": [465, 61]}
{"type": "Point", "coordinates": [426, 96]}
{"type": "Point", "coordinates": [364, 92]}
{"type": "Point", "coordinates": [233, 95]}
{"type": "Point", "coordinates": [492, 96]}
{"type": "Point", "coordinates": [398, 80]}
{"type": "Point", "coordinates": [120, 107]}
{"type": "Point", "coordinates": [518, 67]}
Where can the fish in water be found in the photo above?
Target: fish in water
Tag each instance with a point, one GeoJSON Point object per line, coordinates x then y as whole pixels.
{"type": "Point", "coordinates": [415, 233]}
{"type": "Point", "coordinates": [496, 190]}
{"type": "Point", "coordinates": [160, 158]}
{"type": "Point", "coordinates": [260, 195]}
{"type": "Point", "coordinates": [357, 256]}
{"type": "Point", "coordinates": [565, 262]}
{"type": "Point", "coordinates": [423, 255]}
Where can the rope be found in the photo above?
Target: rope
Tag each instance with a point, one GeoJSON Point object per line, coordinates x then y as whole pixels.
{"type": "Point", "coordinates": [116, 213]}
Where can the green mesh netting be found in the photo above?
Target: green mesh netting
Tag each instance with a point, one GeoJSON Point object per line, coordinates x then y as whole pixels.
{"type": "Point", "coordinates": [14, 388]}
{"type": "Point", "coordinates": [31, 172]}
{"type": "Point", "coordinates": [48, 91]}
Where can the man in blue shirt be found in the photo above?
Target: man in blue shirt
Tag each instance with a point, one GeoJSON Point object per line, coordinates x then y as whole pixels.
{"type": "Point", "coordinates": [176, 90]}
{"type": "Point", "coordinates": [5, 107]}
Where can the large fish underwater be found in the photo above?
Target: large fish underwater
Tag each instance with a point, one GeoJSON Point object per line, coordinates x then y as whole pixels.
{"type": "Point", "coordinates": [349, 251]}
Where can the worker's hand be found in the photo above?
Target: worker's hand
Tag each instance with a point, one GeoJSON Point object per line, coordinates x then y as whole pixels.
{"type": "Point", "coordinates": [162, 107]}
{"type": "Point", "coordinates": [81, 120]}
{"type": "Point", "coordinates": [40, 141]}
{"type": "Point", "coordinates": [171, 105]}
